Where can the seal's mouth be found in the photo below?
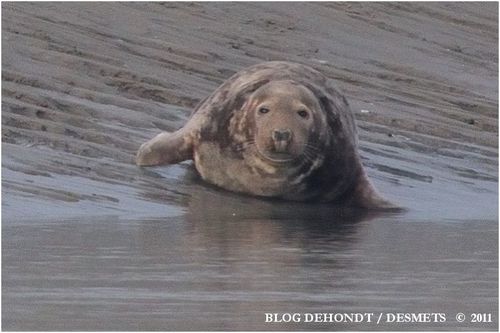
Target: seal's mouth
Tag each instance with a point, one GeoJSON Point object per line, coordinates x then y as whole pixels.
{"type": "Point", "coordinates": [277, 157]}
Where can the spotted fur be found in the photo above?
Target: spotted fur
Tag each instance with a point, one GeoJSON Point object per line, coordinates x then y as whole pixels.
{"type": "Point", "coordinates": [233, 148]}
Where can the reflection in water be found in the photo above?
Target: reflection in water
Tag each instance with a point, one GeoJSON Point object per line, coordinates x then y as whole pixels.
{"type": "Point", "coordinates": [231, 259]}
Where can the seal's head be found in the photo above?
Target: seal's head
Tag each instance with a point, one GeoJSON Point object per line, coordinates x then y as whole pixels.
{"type": "Point", "coordinates": [287, 119]}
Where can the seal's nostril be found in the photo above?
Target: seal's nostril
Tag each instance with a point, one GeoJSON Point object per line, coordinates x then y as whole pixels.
{"type": "Point", "coordinates": [281, 134]}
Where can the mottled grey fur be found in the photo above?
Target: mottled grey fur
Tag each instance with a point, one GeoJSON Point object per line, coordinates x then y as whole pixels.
{"type": "Point", "coordinates": [232, 147]}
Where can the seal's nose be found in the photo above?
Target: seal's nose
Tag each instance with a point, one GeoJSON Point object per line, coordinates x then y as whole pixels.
{"type": "Point", "coordinates": [282, 135]}
{"type": "Point", "coordinates": [281, 139]}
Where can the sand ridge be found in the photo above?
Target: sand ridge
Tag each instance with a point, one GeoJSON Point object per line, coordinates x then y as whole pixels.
{"type": "Point", "coordinates": [83, 85]}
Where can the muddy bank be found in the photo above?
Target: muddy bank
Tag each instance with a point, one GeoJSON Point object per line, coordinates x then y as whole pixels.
{"type": "Point", "coordinates": [92, 82]}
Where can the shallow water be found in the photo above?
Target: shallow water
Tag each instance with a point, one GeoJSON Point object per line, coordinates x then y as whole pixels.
{"type": "Point", "coordinates": [222, 261]}
{"type": "Point", "coordinates": [218, 272]}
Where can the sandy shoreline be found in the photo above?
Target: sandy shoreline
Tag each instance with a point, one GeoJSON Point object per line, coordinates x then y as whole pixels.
{"type": "Point", "coordinates": [92, 82]}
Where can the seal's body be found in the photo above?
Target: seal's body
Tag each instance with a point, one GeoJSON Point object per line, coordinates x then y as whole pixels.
{"type": "Point", "coordinates": [276, 129]}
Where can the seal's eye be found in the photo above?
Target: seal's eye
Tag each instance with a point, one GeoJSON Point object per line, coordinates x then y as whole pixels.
{"type": "Point", "coordinates": [263, 110]}
{"type": "Point", "coordinates": [303, 113]}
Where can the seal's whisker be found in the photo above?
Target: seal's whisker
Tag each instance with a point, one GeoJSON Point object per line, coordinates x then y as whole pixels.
{"type": "Point", "coordinates": [309, 156]}
{"type": "Point", "coordinates": [306, 159]}
{"type": "Point", "coordinates": [312, 147]}
{"type": "Point", "coordinates": [244, 145]}
{"type": "Point", "coordinates": [248, 142]}
{"type": "Point", "coordinates": [311, 152]}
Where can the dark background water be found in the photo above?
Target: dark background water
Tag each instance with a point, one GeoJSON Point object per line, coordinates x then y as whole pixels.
{"type": "Point", "coordinates": [191, 274]}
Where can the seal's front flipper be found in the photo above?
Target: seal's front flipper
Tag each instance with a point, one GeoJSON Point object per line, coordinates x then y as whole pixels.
{"type": "Point", "coordinates": [165, 148]}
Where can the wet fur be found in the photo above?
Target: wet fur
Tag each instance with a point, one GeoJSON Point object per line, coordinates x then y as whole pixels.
{"type": "Point", "coordinates": [226, 139]}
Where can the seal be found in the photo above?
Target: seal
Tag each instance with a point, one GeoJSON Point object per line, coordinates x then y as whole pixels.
{"type": "Point", "coordinates": [276, 129]}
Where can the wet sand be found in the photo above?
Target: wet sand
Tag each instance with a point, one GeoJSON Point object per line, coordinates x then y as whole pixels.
{"type": "Point", "coordinates": [90, 241]}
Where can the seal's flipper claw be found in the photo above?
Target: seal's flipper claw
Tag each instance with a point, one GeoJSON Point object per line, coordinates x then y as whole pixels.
{"type": "Point", "coordinates": [165, 148]}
